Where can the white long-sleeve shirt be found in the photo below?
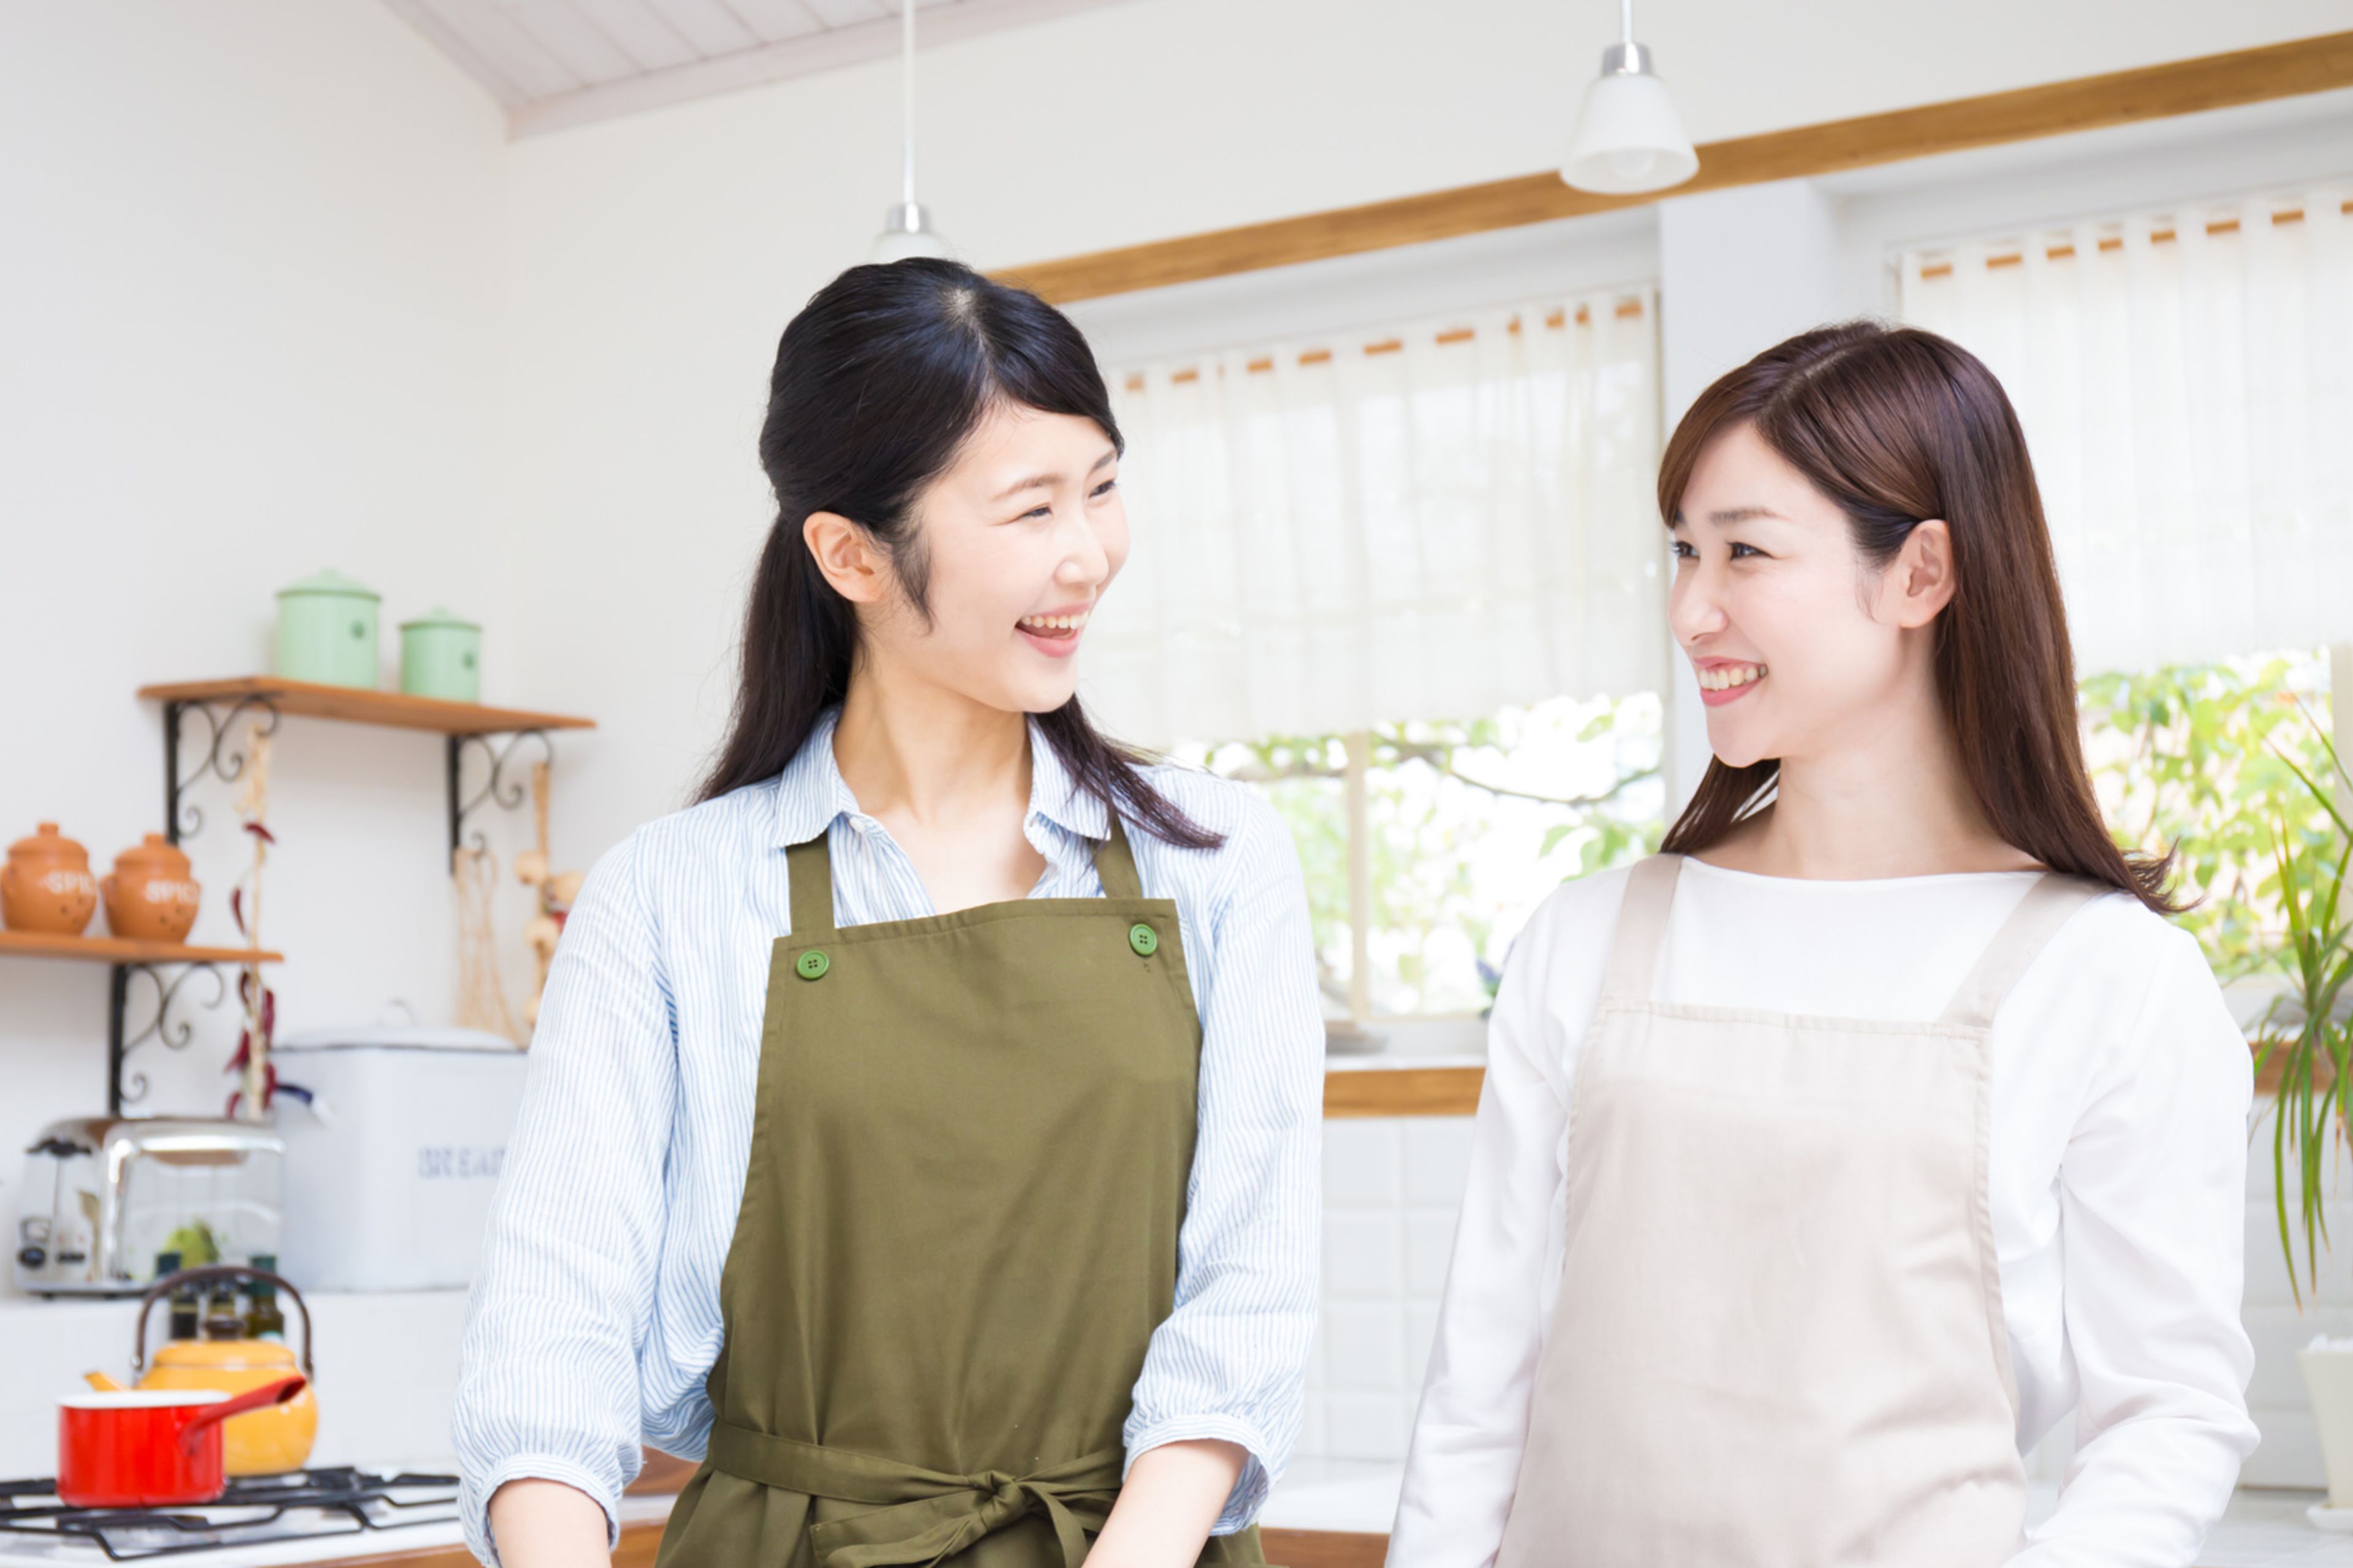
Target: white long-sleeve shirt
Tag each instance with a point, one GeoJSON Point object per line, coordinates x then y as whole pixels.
{"type": "Point", "coordinates": [2120, 1094]}
{"type": "Point", "coordinates": [594, 1317]}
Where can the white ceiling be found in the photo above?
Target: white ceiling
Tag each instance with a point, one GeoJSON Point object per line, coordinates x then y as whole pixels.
{"type": "Point", "coordinates": [553, 63]}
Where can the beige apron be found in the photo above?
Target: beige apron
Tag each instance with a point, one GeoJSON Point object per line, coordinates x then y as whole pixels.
{"type": "Point", "coordinates": [1778, 1341]}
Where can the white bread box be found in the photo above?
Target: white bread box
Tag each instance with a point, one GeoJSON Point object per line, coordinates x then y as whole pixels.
{"type": "Point", "coordinates": [391, 1166]}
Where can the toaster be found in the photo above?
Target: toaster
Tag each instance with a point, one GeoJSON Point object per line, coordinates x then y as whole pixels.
{"type": "Point", "coordinates": [103, 1196]}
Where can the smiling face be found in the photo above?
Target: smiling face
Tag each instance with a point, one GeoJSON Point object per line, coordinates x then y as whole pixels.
{"type": "Point", "coordinates": [1801, 647]}
{"type": "Point", "coordinates": [1013, 545]}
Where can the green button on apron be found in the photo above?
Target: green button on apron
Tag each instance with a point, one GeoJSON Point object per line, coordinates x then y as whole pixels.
{"type": "Point", "coordinates": [969, 1156]}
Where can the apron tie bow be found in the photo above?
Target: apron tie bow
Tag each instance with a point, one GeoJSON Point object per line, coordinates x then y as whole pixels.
{"type": "Point", "coordinates": [917, 1516]}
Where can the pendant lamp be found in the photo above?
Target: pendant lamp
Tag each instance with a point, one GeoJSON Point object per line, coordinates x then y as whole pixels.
{"type": "Point", "coordinates": [1629, 136]}
{"type": "Point", "coordinates": [906, 227]}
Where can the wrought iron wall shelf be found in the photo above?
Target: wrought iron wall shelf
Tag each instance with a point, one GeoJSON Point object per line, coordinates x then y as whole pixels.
{"type": "Point", "coordinates": [498, 734]}
{"type": "Point", "coordinates": [217, 704]}
{"type": "Point", "coordinates": [127, 960]}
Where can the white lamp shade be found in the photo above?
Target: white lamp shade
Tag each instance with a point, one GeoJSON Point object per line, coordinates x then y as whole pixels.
{"type": "Point", "coordinates": [898, 245]}
{"type": "Point", "coordinates": [907, 231]}
{"type": "Point", "coordinates": [1628, 138]}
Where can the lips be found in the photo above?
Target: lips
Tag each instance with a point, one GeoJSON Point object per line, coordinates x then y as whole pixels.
{"type": "Point", "coordinates": [1056, 633]}
{"type": "Point", "coordinates": [1727, 680]}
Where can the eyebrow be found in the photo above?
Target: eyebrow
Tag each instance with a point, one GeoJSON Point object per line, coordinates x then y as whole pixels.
{"type": "Point", "coordinates": [1047, 481]}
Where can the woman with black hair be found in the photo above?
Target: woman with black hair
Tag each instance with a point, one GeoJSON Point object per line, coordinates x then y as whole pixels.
{"type": "Point", "coordinates": [923, 1127]}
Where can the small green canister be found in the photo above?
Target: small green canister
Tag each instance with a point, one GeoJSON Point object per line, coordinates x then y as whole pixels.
{"type": "Point", "coordinates": [441, 656]}
{"type": "Point", "coordinates": [326, 631]}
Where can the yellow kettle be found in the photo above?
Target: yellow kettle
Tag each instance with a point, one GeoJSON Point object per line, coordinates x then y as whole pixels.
{"type": "Point", "coordinates": [265, 1442]}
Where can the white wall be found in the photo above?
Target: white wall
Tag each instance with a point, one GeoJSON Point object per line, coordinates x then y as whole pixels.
{"type": "Point", "coordinates": [247, 314]}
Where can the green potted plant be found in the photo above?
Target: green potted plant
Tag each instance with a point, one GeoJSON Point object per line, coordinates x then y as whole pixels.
{"type": "Point", "coordinates": [2306, 1037]}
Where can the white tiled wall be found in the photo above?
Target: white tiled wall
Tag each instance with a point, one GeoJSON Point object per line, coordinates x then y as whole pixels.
{"type": "Point", "coordinates": [1391, 1189]}
{"type": "Point", "coordinates": [1391, 1186]}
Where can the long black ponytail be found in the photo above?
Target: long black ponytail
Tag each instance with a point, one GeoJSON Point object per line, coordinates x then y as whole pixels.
{"type": "Point", "coordinates": [878, 383]}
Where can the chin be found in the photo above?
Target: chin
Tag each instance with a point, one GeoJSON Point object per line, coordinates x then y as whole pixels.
{"type": "Point", "coordinates": [1029, 695]}
{"type": "Point", "coordinates": [1735, 750]}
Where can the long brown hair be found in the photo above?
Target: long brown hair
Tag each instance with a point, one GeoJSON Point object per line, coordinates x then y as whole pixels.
{"type": "Point", "coordinates": [1896, 426]}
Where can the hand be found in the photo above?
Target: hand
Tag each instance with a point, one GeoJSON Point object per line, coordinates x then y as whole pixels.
{"type": "Point", "coordinates": [540, 1523]}
{"type": "Point", "coordinates": [1173, 1495]}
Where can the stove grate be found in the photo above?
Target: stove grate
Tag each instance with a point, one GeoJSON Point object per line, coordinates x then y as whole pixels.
{"type": "Point", "coordinates": [301, 1505]}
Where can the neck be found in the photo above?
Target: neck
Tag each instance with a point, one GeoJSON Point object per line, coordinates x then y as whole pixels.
{"type": "Point", "coordinates": [912, 751]}
{"type": "Point", "coordinates": [1888, 798]}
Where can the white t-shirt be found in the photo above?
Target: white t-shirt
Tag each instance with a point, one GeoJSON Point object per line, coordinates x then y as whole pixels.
{"type": "Point", "coordinates": [2120, 1095]}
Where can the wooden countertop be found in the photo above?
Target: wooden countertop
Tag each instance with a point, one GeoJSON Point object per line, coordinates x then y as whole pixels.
{"type": "Point", "coordinates": [1372, 1091]}
{"type": "Point", "coordinates": [1289, 1548]}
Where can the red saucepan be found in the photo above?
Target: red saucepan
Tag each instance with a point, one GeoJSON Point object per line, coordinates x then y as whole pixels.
{"type": "Point", "coordinates": [149, 1448]}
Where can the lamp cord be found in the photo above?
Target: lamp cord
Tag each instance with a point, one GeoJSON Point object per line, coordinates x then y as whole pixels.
{"type": "Point", "coordinates": [907, 90]}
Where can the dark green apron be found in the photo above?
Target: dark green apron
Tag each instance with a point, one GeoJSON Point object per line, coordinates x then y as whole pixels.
{"type": "Point", "coordinates": [969, 1157]}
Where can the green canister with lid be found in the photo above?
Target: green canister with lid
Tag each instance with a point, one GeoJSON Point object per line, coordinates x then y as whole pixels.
{"type": "Point", "coordinates": [327, 631]}
{"type": "Point", "coordinates": [441, 656]}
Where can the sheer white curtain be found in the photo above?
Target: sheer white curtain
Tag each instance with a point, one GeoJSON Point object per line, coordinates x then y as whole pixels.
{"type": "Point", "coordinates": [2186, 382]}
{"type": "Point", "coordinates": [1428, 521]}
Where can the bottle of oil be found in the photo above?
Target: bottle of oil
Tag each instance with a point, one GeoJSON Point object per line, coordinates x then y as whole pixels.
{"type": "Point", "coordinates": [222, 1319]}
{"type": "Point", "coordinates": [184, 1299]}
{"type": "Point", "coordinates": [264, 1319]}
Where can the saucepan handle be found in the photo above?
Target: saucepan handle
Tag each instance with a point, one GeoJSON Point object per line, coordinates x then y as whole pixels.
{"type": "Point", "coordinates": [277, 1393]}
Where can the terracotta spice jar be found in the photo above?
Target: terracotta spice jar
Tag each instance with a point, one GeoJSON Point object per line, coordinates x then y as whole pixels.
{"type": "Point", "coordinates": [150, 894]}
{"type": "Point", "coordinates": [45, 886]}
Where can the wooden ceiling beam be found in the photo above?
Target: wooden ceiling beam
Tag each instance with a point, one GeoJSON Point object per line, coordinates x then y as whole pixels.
{"type": "Point", "coordinates": [2084, 103]}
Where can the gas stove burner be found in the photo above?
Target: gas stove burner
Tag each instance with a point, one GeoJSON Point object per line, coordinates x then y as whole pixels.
{"type": "Point", "coordinates": [300, 1505]}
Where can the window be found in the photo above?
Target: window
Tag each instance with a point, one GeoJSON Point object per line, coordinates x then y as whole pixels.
{"type": "Point", "coordinates": [2203, 759]}
{"type": "Point", "coordinates": [2184, 379]}
{"type": "Point", "coordinates": [2182, 376]}
{"type": "Point", "coordinates": [1341, 547]}
{"type": "Point", "coordinates": [1427, 846]}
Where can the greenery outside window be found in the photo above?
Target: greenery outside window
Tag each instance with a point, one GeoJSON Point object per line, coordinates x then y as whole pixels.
{"type": "Point", "coordinates": [1427, 846]}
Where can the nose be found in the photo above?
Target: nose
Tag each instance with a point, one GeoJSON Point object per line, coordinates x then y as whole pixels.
{"type": "Point", "coordinates": [1695, 605]}
{"type": "Point", "coordinates": [1085, 565]}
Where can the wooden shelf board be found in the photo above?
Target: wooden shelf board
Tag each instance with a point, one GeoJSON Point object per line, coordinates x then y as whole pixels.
{"type": "Point", "coordinates": [2299, 65]}
{"type": "Point", "coordinates": [123, 950]}
{"type": "Point", "coordinates": [357, 705]}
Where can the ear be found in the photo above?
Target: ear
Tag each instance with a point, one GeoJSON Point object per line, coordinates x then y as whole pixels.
{"type": "Point", "coordinates": [1920, 581]}
{"type": "Point", "coordinates": [848, 556]}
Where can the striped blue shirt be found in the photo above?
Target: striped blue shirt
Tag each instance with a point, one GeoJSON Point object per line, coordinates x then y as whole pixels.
{"type": "Point", "coordinates": [595, 1317]}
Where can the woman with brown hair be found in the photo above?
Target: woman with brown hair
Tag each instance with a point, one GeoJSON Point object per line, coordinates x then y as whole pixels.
{"type": "Point", "coordinates": [1828, 1158]}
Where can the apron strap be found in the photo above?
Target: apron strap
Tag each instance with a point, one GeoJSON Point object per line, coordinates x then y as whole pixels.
{"type": "Point", "coordinates": [1115, 864]}
{"type": "Point", "coordinates": [810, 866]}
{"type": "Point", "coordinates": [913, 1515]}
{"type": "Point", "coordinates": [2048, 905]}
{"type": "Point", "coordinates": [1641, 927]}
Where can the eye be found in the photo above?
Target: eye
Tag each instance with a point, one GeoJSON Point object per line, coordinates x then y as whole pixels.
{"type": "Point", "coordinates": [1681, 551]}
{"type": "Point", "coordinates": [1738, 549]}
{"type": "Point", "coordinates": [1103, 489]}
{"type": "Point", "coordinates": [1035, 513]}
